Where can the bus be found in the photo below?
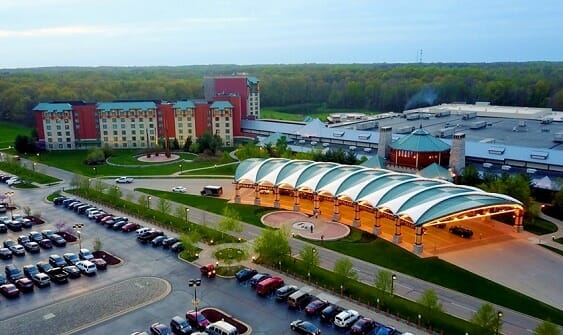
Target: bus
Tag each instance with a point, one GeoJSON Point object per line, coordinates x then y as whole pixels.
{"type": "Point", "coordinates": [212, 190]}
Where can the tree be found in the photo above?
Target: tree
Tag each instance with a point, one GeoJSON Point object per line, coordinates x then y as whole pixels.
{"type": "Point", "coordinates": [164, 205]}
{"type": "Point", "coordinates": [188, 143]}
{"type": "Point", "coordinates": [230, 221]}
{"type": "Point", "coordinates": [487, 319]}
{"type": "Point", "coordinates": [547, 328]}
{"type": "Point", "coordinates": [142, 200]}
{"type": "Point", "coordinates": [310, 257]}
{"type": "Point", "coordinates": [99, 186]}
{"type": "Point", "coordinates": [558, 198]}
{"type": "Point", "coordinates": [114, 192]}
{"type": "Point", "coordinates": [97, 244]}
{"type": "Point", "coordinates": [24, 144]}
{"type": "Point", "coordinates": [344, 269]}
{"type": "Point", "coordinates": [95, 156]}
{"type": "Point", "coordinates": [384, 281]}
{"type": "Point", "coordinates": [27, 210]}
{"type": "Point", "coordinates": [429, 299]}
{"type": "Point", "coordinates": [272, 245]}
{"type": "Point", "coordinates": [470, 176]}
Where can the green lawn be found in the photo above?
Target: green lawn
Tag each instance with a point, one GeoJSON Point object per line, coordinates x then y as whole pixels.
{"type": "Point", "coordinates": [9, 132]}
{"type": "Point", "coordinates": [26, 174]}
{"type": "Point", "coordinates": [73, 161]}
{"type": "Point", "coordinates": [125, 157]}
{"type": "Point", "coordinates": [540, 227]}
{"type": "Point", "coordinates": [223, 170]}
{"type": "Point", "coordinates": [300, 112]}
{"type": "Point", "coordinates": [365, 246]}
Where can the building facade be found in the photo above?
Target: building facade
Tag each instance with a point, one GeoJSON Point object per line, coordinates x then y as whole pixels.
{"type": "Point", "coordinates": [247, 87]}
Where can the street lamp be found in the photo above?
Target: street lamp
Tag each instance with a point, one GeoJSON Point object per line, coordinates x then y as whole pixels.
{"type": "Point", "coordinates": [94, 168]}
{"type": "Point", "coordinates": [180, 168]}
{"type": "Point", "coordinates": [499, 317]}
{"type": "Point", "coordinates": [188, 216]}
{"type": "Point", "coordinates": [393, 278]}
{"type": "Point", "coordinates": [34, 166]}
{"type": "Point", "coordinates": [76, 227]}
{"type": "Point", "coordinates": [149, 201]}
{"type": "Point", "coordinates": [419, 317]}
{"type": "Point", "coordinates": [195, 283]}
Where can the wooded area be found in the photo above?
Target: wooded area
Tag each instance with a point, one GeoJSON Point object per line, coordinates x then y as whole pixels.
{"type": "Point", "coordinates": [376, 87]}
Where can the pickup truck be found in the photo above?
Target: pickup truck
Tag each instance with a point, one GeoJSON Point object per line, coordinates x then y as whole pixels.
{"type": "Point", "coordinates": [58, 275]}
{"type": "Point", "coordinates": [124, 180]}
{"type": "Point", "coordinates": [208, 270]}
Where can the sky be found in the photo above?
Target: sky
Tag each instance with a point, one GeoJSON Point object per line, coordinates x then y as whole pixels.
{"type": "Point", "coordinates": [38, 33]}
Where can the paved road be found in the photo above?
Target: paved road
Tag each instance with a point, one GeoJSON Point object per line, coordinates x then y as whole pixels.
{"type": "Point", "coordinates": [454, 303]}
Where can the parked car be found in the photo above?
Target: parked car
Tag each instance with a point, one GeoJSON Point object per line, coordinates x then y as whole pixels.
{"type": "Point", "coordinates": [315, 306]}
{"type": "Point", "coordinates": [47, 233]}
{"type": "Point", "coordinates": [3, 228]}
{"type": "Point", "coordinates": [346, 318]}
{"type": "Point", "coordinates": [5, 253]}
{"type": "Point", "coordinates": [9, 291]}
{"type": "Point", "coordinates": [13, 273]}
{"type": "Point", "coordinates": [71, 258]}
{"type": "Point", "coordinates": [179, 325]}
{"type": "Point", "coordinates": [118, 225]}
{"type": "Point", "coordinates": [159, 329]}
{"type": "Point", "coordinates": [72, 270]}
{"type": "Point", "coordinates": [304, 327]}
{"type": "Point", "coordinates": [362, 326]}
{"type": "Point", "coordinates": [142, 230]}
{"type": "Point", "coordinates": [245, 274]}
{"type": "Point", "coordinates": [198, 321]}
{"type": "Point", "coordinates": [44, 266]}
{"type": "Point", "coordinates": [124, 180]}
{"type": "Point", "coordinates": [58, 240]}
{"type": "Point", "coordinates": [57, 261]}
{"type": "Point", "coordinates": [329, 312]}
{"type": "Point", "coordinates": [29, 270]}
{"type": "Point", "coordinates": [85, 254]}
{"type": "Point", "coordinates": [269, 285]}
{"type": "Point", "coordinates": [99, 263]}
{"type": "Point", "coordinates": [58, 275]}
{"type": "Point", "coordinates": [35, 236]}
{"type": "Point", "coordinates": [130, 226]}
{"type": "Point", "coordinates": [385, 330]}
{"type": "Point", "coordinates": [41, 279]}
{"type": "Point", "coordinates": [14, 225]}
{"type": "Point", "coordinates": [168, 242]}
{"type": "Point", "coordinates": [23, 239]}
{"type": "Point", "coordinates": [157, 241]}
{"type": "Point", "coordinates": [179, 189]}
{"type": "Point", "coordinates": [258, 278]}
{"type": "Point", "coordinates": [17, 250]}
{"type": "Point", "coordinates": [461, 231]}
{"type": "Point", "coordinates": [46, 243]}
{"type": "Point", "coordinates": [149, 236]}
{"type": "Point", "coordinates": [285, 291]}
{"type": "Point", "coordinates": [32, 247]}
{"type": "Point", "coordinates": [9, 243]}
{"type": "Point", "coordinates": [58, 201]}
{"type": "Point", "coordinates": [177, 247]}
{"type": "Point", "coordinates": [87, 267]}
{"type": "Point", "coordinates": [3, 280]}
{"type": "Point", "coordinates": [24, 284]}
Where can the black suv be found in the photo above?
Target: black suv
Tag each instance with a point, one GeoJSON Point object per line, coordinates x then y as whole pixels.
{"type": "Point", "coordinates": [461, 231]}
{"type": "Point", "coordinates": [13, 273]}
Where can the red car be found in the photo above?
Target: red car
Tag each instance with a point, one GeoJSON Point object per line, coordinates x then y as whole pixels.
{"type": "Point", "coordinates": [24, 284]}
{"type": "Point", "coordinates": [316, 306]}
{"type": "Point", "coordinates": [10, 291]}
{"type": "Point", "coordinates": [130, 226]}
{"type": "Point", "coordinates": [198, 321]}
{"type": "Point", "coordinates": [208, 270]}
{"type": "Point", "coordinates": [100, 263]}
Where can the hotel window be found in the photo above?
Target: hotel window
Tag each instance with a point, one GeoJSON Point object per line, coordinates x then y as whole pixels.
{"type": "Point", "coordinates": [151, 132]}
{"type": "Point", "coordinates": [67, 133]}
{"type": "Point", "coordinates": [190, 124]}
{"type": "Point", "coordinates": [132, 125]}
{"type": "Point", "coordinates": [142, 125]}
{"type": "Point", "coordinates": [105, 139]}
{"type": "Point", "coordinates": [58, 121]}
{"type": "Point", "coordinates": [134, 144]}
{"type": "Point", "coordinates": [140, 119]}
{"type": "Point", "coordinates": [113, 120]}
{"type": "Point", "coordinates": [216, 118]}
{"type": "Point", "coordinates": [59, 139]}
{"type": "Point", "coordinates": [226, 118]}
{"type": "Point", "coordinates": [133, 132]}
{"type": "Point", "coordinates": [105, 132]}
{"type": "Point", "coordinates": [68, 139]}
{"type": "Point", "coordinates": [150, 119]}
{"type": "Point", "coordinates": [49, 140]}
{"type": "Point", "coordinates": [66, 120]}
{"type": "Point", "coordinates": [123, 126]}
{"type": "Point", "coordinates": [115, 132]}
{"type": "Point", "coordinates": [48, 127]}
{"type": "Point", "coordinates": [134, 138]}
{"type": "Point", "coordinates": [47, 121]}
{"type": "Point", "coordinates": [180, 125]}
{"type": "Point", "coordinates": [66, 126]}
{"type": "Point", "coordinates": [124, 132]}
{"type": "Point", "coordinates": [104, 120]}
{"type": "Point", "coordinates": [152, 138]}
{"type": "Point", "coordinates": [227, 131]}
{"type": "Point", "coordinates": [189, 118]}
{"type": "Point", "coordinates": [114, 126]}
{"type": "Point", "coordinates": [59, 133]}
{"type": "Point", "coordinates": [104, 126]}
{"type": "Point", "coordinates": [122, 119]}
{"type": "Point", "coordinates": [227, 124]}
{"type": "Point", "coordinates": [115, 138]}
{"type": "Point", "coordinates": [58, 127]}
{"type": "Point", "coordinates": [124, 138]}
{"type": "Point", "coordinates": [125, 145]}
{"type": "Point", "coordinates": [49, 133]}
{"type": "Point", "coordinates": [180, 131]}
{"type": "Point", "coordinates": [217, 125]}
{"type": "Point", "coordinates": [60, 146]}
{"type": "Point", "coordinates": [189, 131]}
{"type": "Point", "coordinates": [142, 138]}
{"type": "Point", "coordinates": [151, 125]}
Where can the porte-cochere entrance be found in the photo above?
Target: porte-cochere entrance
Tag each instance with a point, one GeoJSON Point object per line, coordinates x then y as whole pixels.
{"type": "Point", "coordinates": [402, 208]}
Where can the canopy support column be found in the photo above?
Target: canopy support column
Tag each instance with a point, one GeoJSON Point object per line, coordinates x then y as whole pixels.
{"type": "Point", "coordinates": [417, 248]}
{"type": "Point", "coordinates": [256, 195]}
{"type": "Point", "coordinates": [296, 200]}
{"type": "Point", "coordinates": [356, 222]}
{"type": "Point", "coordinates": [518, 220]}
{"type": "Point", "coordinates": [377, 226]}
{"type": "Point", "coordinates": [316, 204]}
{"type": "Point", "coordinates": [397, 237]}
{"type": "Point", "coordinates": [336, 210]}
{"type": "Point", "coordinates": [276, 197]}
{"type": "Point", "coordinates": [237, 193]}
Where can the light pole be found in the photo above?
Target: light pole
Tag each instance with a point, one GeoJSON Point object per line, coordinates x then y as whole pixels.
{"type": "Point", "coordinates": [76, 227]}
{"type": "Point", "coordinates": [180, 168]}
{"type": "Point", "coordinates": [393, 278]}
{"type": "Point", "coordinates": [188, 217]}
{"type": "Point", "coordinates": [419, 317]}
{"type": "Point", "coordinates": [149, 201]}
{"type": "Point", "coordinates": [195, 283]}
{"type": "Point", "coordinates": [499, 317]}
{"type": "Point", "coordinates": [34, 166]}
{"type": "Point", "coordinates": [94, 168]}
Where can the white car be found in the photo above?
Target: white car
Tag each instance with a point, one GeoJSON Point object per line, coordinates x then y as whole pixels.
{"type": "Point", "coordinates": [85, 254]}
{"type": "Point", "coordinates": [142, 230]}
{"type": "Point", "coordinates": [179, 189]}
{"type": "Point", "coordinates": [346, 318]}
{"type": "Point", "coordinates": [124, 180]}
{"type": "Point", "coordinates": [86, 267]}
{"type": "Point", "coordinates": [13, 181]}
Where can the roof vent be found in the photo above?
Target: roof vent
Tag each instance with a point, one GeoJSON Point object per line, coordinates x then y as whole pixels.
{"type": "Point", "coordinates": [364, 136]}
{"type": "Point", "coordinates": [338, 133]}
{"type": "Point", "coordinates": [496, 150]}
{"type": "Point", "coordinates": [539, 155]}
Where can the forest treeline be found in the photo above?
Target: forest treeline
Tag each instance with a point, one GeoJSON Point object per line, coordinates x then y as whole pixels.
{"type": "Point", "coordinates": [376, 87]}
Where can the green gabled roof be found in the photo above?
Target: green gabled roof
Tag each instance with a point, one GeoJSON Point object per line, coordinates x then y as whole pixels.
{"type": "Point", "coordinates": [436, 171]}
{"type": "Point", "coordinates": [126, 105]}
{"type": "Point", "coordinates": [183, 104]}
{"type": "Point", "coordinates": [420, 141]}
{"type": "Point", "coordinates": [53, 108]}
{"type": "Point", "coordinates": [252, 80]}
{"type": "Point", "coordinates": [221, 104]}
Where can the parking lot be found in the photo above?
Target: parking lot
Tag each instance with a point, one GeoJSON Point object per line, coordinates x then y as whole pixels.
{"type": "Point", "coordinates": [154, 274]}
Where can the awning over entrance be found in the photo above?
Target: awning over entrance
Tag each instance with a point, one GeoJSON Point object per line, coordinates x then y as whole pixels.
{"type": "Point", "coordinates": [413, 198]}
